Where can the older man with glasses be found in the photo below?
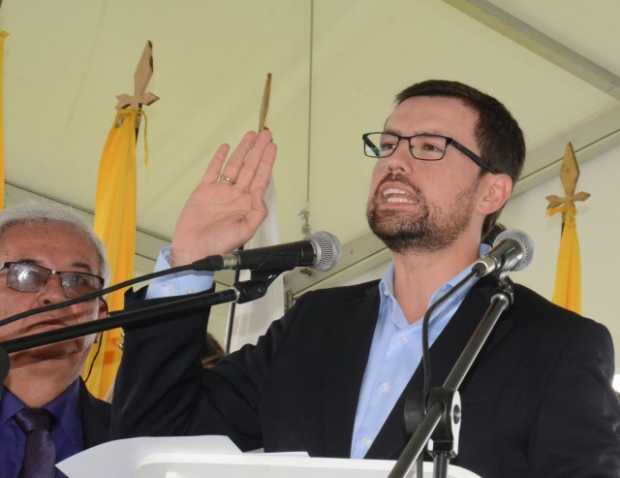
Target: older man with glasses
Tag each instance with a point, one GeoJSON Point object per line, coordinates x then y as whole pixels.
{"type": "Point", "coordinates": [47, 255]}
{"type": "Point", "coordinates": [331, 376]}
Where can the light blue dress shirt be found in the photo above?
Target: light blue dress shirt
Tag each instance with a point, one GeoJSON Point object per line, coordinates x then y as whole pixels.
{"type": "Point", "coordinates": [181, 283]}
{"type": "Point", "coordinates": [395, 351]}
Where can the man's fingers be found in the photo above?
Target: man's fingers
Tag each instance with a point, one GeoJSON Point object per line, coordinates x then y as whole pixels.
{"type": "Point", "coordinates": [216, 163]}
{"type": "Point", "coordinates": [264, 170]}
{"type": "Point", "coordinates": [253, 159]}
{"type": "Point", "coordinates": [236, 160]}
{"type": "Point", "coordinates": [258, 210]}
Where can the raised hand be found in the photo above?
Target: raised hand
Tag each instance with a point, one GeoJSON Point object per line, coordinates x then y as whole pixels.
{"type": "Point", "coordinates": [227, 207]}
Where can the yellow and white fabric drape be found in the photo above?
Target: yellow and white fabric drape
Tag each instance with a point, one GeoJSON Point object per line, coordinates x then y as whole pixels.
{"type": "Point", "coordinates": [567, 290]}
{"type": "Point", "coordinates": [115, 224]}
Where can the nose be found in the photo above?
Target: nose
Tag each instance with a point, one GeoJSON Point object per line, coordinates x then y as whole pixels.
{"type": "Point", "coordinates": [400, 162]}
{"type": "Point", "coordinates": [52, 292]}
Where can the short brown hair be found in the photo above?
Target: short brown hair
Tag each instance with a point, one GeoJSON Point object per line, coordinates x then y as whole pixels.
{"type": "Point", "coordinates": [498, 134]}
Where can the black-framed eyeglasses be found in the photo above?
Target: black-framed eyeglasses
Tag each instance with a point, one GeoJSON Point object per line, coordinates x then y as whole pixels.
{"type": "Point", "coordinates": [425, 147]}
{"type": "Point", "coordinates": [30, 277]}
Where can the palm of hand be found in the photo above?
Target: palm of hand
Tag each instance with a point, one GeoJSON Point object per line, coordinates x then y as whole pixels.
{"type": "Point", "coordinates": [219, 217]}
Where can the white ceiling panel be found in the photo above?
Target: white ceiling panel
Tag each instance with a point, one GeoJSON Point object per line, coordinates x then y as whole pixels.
{"type": "Point", "coordinates": [589, 28]}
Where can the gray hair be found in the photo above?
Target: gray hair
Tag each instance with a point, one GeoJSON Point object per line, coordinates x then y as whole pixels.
{"type": "Point", "coordinates": [37, 212]}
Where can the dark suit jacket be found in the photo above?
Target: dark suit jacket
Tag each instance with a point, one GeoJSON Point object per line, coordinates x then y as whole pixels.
{"type": "Point", "coordinates": [537, 403]}
{"type": "Point", "coordinates": [95, 416]}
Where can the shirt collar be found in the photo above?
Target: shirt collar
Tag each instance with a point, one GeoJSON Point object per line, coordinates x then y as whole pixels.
{"type": "Point", "coordinates": [386, 285]}
{"type": "Point", "coordinates": [66, 403]}
{"type": "Point", "coordinates": [9, 405]}
{"type": "Point", "coordinates": [63, 406]}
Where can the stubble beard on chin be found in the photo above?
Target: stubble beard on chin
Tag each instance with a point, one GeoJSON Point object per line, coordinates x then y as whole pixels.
{"type": "Point", "coordinates": [426, 230]}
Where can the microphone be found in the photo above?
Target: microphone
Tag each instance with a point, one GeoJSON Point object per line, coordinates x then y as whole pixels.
{"type": "Point", "coordinates": [512, 251]}
{"type": "Point", "coordinates": [321, 251]}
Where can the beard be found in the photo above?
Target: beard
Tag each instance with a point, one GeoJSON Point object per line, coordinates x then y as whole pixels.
{"type": "Point", "coordinates": [428, 228]}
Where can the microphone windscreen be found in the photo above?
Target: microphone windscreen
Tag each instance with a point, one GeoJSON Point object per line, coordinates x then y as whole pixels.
{"type": "Point", "coordinates": [327, 250]}
{"type": "Point", "coordinates": [525, 243]}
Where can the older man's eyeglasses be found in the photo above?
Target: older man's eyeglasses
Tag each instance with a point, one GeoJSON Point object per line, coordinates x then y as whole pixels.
{"type": "Point", "coordinates": [425, 147]}
{"type": "Point", "coordinates": [30, 277]}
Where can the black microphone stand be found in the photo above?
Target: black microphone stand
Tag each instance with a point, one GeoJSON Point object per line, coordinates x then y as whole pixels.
{"type": "Point", "coordinates": [443, 415]}
{"type": "Point", "coordinates": [176, 309]}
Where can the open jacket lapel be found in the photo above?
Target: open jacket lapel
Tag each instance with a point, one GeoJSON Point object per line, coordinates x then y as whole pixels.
{"type": "Point", "coordinates": [95, 416]}
{"type": "Point", "coordinates": [346, 354]}
{"type": "Point", "coordinates": [445, 351]}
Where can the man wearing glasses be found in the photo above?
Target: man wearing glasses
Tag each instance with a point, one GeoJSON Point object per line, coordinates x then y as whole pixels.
{"type": "Point", "coordinates": [331, 376]}
{"type": "Point", "coordinates": [47, 255]}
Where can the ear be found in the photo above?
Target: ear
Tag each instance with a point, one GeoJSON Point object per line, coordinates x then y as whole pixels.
{"type": "Point", "coordinates": [495, 191]}
{"type": "Point", "coordinates": [102, 313]}
{"type": "Point", "coordinates": [103, 309]}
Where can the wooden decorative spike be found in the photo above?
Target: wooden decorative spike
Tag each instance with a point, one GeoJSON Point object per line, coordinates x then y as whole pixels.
{"type": "Point", "coordinates": [569, 175]}
{"type": "Point", "coordinates": [142, 76]}
{"type": "Point", "coordinates": [264, 107]}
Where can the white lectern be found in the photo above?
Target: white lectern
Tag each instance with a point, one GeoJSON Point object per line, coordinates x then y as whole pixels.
{"type": "Point", "coordinates": [217, 456]}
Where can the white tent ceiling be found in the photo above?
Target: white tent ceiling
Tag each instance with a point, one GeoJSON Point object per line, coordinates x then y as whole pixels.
{"type": "Point", "coordinates": [336, 66]}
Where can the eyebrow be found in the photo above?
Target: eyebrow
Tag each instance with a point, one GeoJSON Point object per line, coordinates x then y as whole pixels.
{"type": "Point", "coordinates": [77, 264]}
{"type": "Point", "coordinates": [82, 265]}
{"type": "Point", "coordinates": [431, 132]}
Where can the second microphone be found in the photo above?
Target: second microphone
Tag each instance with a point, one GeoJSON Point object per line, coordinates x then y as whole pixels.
{"type": "Point", "coordinates": [321, 251]}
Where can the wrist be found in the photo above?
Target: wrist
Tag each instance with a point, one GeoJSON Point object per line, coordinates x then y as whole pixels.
{"type": "Point", "coordinates": [177, 257]}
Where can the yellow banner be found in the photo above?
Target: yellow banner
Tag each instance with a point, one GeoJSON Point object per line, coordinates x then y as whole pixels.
{"type": "Point", "coordinates": [115, 224]}
{"type": "Point", "coordinates": [567, 291]}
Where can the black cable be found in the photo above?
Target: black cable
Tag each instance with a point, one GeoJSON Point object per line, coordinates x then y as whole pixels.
{"type": "Point", "coordinates": [149, 315]}
{"type": "Point", "coordinates": [231, 315]}
{"type": "Point", "coordinates": [426, 356]}
{"type": "Point", "coordinates": [94, 295]}
{"type": "Point", "coordinates": [92, 362]}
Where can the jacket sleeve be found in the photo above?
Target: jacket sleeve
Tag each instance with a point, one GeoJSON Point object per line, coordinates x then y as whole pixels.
{"type": "Point", "coordinates": [162, 389]}
{"type": "Point", "coordinates": [577, 428]}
